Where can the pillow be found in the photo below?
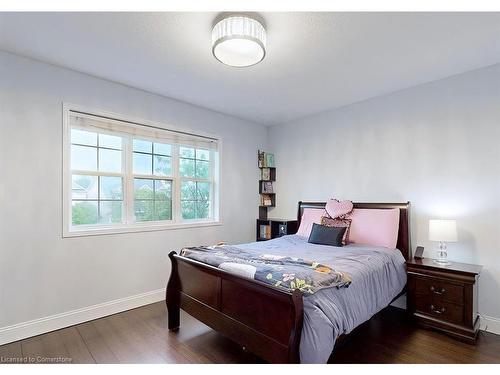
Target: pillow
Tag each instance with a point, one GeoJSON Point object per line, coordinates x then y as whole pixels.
{"type": "Point", "coordinates": [310, 216]}
{"type": "Point", "coordinates": [331, 236]}
{"type": "Point", "coordinates": [338, 223]}
{"type": "Point", "coordinates": [377, 227]}
{"type": "Point", "coordinates": [336, 208]}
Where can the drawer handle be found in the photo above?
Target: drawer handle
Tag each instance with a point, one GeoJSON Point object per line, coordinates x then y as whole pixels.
{"type": "Point", "coordinates": [435, 291]}
{"type": "Point", "coordinates": [438, 311]}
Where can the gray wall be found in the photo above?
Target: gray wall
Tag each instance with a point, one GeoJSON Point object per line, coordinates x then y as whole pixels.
{"type": "Point", "coordinates": [436, 145]}
{"type": "Point", "coordinates": [41, 273]}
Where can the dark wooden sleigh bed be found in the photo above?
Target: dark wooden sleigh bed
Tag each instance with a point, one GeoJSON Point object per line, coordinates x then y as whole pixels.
{"type": "Point", "coordinates": [265, 320]}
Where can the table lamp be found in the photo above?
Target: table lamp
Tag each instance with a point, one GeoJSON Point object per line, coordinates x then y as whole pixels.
{"type": "Point", "coordinates": [442, 231]}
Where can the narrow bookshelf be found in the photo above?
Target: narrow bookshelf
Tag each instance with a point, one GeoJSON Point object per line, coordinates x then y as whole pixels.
{"type": "Point", "coordinates": [266, 228]}
{"type": "Point", "coordinates": [267, 169]}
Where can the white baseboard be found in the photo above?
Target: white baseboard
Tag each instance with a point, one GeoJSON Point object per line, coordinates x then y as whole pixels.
{"type": "Point", "coordinates": [489, 324]}
{"type": "Point", "coordinates": [51, 323]}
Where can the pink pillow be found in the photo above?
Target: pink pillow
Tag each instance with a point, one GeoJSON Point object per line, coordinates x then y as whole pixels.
{"type": "Point", "coordinates": [336, 208]}
{"type": "Point", "coordinates": [377, 227]}
{"type": "Point", "coordinates": [309, 217]}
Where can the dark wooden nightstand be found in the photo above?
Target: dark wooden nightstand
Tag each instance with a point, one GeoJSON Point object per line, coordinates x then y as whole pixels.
{"type": "Point", "coordinates": [444, 297]}
{"type": "Point", "coordinates": [275, 228]}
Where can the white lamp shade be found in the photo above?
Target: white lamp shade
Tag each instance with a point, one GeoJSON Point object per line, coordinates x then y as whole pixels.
{"type": "Point", "coordinates": [443, 230]}
{"type": "Point", "coordinates": [239, 41]}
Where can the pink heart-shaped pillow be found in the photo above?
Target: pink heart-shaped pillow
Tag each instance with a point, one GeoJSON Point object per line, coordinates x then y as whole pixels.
{"type": "Point", "coordinates": [336, 208]}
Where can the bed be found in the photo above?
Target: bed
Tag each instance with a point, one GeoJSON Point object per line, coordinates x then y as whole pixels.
{"type": "Point", "coordinates": [289, 327]}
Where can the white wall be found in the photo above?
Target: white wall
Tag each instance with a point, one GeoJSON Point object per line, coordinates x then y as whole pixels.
{"type": "Point", "coordinates": [436, 145]}
{"type": "Point", "coordinates": [42, 274]}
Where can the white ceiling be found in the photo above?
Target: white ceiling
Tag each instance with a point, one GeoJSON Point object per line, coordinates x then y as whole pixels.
{"type": "Point", "coordinates": [314, 62]}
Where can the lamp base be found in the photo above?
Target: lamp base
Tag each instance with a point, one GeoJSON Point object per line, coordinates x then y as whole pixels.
{"type": "Point", "coordinates": [442, 253]}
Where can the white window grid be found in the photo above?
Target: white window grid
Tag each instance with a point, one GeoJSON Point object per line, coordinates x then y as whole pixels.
{"type": "Point", "coordinates": [129, 223]}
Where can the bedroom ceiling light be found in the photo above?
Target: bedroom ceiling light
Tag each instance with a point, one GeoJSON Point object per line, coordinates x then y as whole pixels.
{"type": "Point", "coordinates": [239, 41]}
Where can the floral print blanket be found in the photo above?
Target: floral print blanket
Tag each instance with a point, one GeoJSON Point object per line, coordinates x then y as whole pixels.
{"type": "Point", "coordinates": [284, 272]}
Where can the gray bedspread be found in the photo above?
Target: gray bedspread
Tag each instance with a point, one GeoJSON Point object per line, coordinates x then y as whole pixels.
{"type": "Point", "coordinates": [377, 273]}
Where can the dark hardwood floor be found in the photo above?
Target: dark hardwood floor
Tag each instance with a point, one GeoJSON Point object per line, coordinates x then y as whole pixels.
{"type": "Point", "coordinates": [141, 336]}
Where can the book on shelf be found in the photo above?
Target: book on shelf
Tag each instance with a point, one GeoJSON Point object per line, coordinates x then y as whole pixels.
{"type": "Point", "coordinates": [265, 174]}
{"type": "Point", "coordinates": [262, 159]}
{"type": "Point", "coordinates": [265, 232]}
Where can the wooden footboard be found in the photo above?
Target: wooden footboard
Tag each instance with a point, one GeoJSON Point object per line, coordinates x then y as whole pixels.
{"type": "Point", "coordinates": [265, 320]}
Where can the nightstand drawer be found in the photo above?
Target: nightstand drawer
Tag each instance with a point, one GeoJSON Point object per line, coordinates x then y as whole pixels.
{"type": "Point", "coordinates": [440, 290]}
{"type": "Point", "coordinates": [445, 311]}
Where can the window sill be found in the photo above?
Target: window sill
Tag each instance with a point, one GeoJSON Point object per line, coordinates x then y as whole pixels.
{"type": "Point", "coordinates": [82, 232]}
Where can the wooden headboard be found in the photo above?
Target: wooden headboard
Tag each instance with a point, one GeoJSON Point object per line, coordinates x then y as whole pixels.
{"type": "Point", "coordinates": [403, 244]}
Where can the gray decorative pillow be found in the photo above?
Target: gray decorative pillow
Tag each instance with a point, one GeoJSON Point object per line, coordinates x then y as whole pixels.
{"type": "Point", "coordinates": [340, 223]}
{"type": "Point", "coordinates": [323, 235]}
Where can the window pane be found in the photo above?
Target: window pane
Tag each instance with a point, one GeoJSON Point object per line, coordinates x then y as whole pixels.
{"type": "Point", "coordinates": [84, 213]}
{"type": "Point", "coordinates": [143, 164]}
{"type": "Point", "coordinates": [142, 146]}
{"type": "Point", "coordinates": [83, 137]}
{"type": "Point", "coordinates": [144, 210]}
{"type": "Point", "coordinates": [163, 210]}
{"type": "Point", "coordinates": [84, 187]}
{"type": "Point", "coordinates": [202, 154]}
{"type": "Point", "coordinates": [202, 169]}
{"type": "Point", "coordinates": [202, 209]}
{"type": "Point", "coordinates": [83, 158]}
{"type": "Point", "coordinates": [143, 189]}
{"type": "Point", "coordinates": [163, 190]}
{"type": "Point", "coordinates": [188, 190]}
{"type": "Point", "coordinates": [162, 149]}
{"type": "Point", "coordinates": [111, 188]}
{"type": "Point", "coordinates": [186, 152]}
{"type": "Point", "coordinates": [203, 191]}
{"type": "Point", "coordinates": [110, 212]}
{"type": "Point", "coordinates": [110, 160]}
{"type": "Point", "coordinates": [110, 141]}
{"type": "Point", "coordinates": [162, 165]}
{"type": "Point", "coordinates": [188, 210]}
{"type": "Point", "coordinates": [186, 167]}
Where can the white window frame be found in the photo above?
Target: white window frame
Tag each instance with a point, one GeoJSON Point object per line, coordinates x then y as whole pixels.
{"type": "Point", "coordinates": [129, 225]}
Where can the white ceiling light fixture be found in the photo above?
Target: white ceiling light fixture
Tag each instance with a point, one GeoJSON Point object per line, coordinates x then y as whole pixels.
{"type": "Point", "coordinates": [239, 41]}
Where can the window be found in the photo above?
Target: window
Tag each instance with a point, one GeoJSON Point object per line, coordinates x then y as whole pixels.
{"type": "Point", "coordinates": [121, 176]}
{"type": "Point", "coordinates": [194, 170]}
{"type": "Point", "coordinates": [152, 169]}
{"type": "Point", "coordinates": [96, 179]}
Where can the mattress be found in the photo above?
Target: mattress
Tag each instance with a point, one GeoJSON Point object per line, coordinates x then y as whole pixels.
{"type": "Point", "coordinates": [378, 275]}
